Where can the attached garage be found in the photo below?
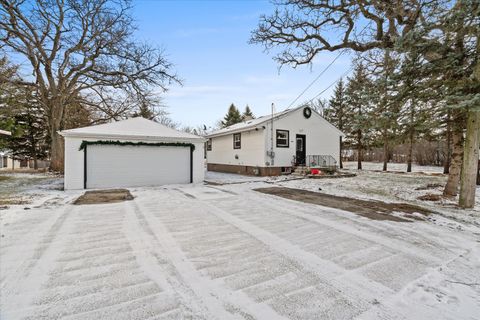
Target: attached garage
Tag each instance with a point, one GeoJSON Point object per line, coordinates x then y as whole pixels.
{"type": "Point", "coordinates": [131, 153]}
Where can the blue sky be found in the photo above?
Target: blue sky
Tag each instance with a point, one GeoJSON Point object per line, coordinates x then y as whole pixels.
{"type": "Point", "coordinates": [208, 43]}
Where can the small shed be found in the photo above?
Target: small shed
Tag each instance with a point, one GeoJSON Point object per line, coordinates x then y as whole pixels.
{"type": "Point", "coordinates": [131, 153]}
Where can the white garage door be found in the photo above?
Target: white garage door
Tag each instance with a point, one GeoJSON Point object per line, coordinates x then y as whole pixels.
{"type": "Point", "coordinates": [110, 166]}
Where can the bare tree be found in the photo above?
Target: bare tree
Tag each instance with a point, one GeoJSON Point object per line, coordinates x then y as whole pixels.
{"type": "Point", "coordinates": [82, 51]}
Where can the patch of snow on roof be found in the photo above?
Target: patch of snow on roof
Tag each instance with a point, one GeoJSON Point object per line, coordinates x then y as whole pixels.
{"type": "Point", "coordinates": [138, 126]}
{"type": "Point", "coordinates": [250, 123]}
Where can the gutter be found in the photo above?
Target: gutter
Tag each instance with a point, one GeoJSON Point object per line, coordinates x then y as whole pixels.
{"type": "Point", "coordinates": [214, 135]}
{"type": "Point", "coordinates": [130, 137]}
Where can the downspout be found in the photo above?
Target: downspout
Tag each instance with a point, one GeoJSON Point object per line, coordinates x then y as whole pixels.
{"type": "Point", "coordinates": [85, 167]}
{"type": "Point", "coordinates": [272, 155]}
{"type": "Point", "coordinates": [191, 164]}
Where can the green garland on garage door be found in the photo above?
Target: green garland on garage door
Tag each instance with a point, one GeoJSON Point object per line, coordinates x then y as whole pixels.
{"type": "Point", "coordinates": [130, 143]}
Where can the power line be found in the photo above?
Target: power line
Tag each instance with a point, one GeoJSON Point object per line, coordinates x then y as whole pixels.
{"type": "Point", "coordinates": [324, 70]}
{"type": "Point", "coordinates": [330, 85]}
{"type": "Point", "coordinates": [318, 77]}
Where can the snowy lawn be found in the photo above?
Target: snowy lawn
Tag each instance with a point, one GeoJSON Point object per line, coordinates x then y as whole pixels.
{"type": "Point", "coordinates": [228, 252]}
{"type": "Point", "coordinates": [393, 186]}
{"type": "Point", "coordinates": [25, 188]}
{"type": "Point", "coordinates": [398, 167]}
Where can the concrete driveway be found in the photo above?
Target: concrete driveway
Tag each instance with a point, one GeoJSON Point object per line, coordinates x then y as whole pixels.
{"type": "Point", "coordinates": [228, 252]}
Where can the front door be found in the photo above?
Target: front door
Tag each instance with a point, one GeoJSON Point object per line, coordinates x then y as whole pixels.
{"type": "Point", "coordinates": [300, 150]}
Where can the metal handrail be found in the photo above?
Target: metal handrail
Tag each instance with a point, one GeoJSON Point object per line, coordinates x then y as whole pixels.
{"type": "Point", "coordinates": [321, 161]}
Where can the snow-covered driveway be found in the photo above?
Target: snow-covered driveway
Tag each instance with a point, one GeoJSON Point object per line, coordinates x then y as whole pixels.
{"type": "Point", "coordinates": [228, 252]}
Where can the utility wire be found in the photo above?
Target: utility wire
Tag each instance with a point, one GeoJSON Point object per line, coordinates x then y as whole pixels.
{"type": "Point", "coordinates": [316, 79]}
{"type": "Point", "coordinates": [329, 86]}
{"type": "Point", "coordinates": [324, 70]}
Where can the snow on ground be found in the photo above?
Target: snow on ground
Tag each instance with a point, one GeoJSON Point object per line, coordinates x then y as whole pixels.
{"type": "Point", "coordinates": [228, 252]}
{"type": "Point", "coordinates": [232, 178]}
{"type": "Point", "coordinates": [25, 188]}
{"type": "Point", "coordinates": [393, 187]}
{"type": "Point", "coordinates": [398, 167]}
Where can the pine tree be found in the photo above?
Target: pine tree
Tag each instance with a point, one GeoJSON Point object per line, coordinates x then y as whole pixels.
{"type": "Point", "coordinates": [145, 111]}
{"type": "Point", "coordinates": [358, 97]}
{"type": "Point", "coordinates": [386, 107]}
{"type": "Point", "coordinates": [23, 112]}
{"type": "Point", "coordinates": [337, 111]}
{"type": "Point", "coordinates": [232, 117]}
{"type": "Point", "coordinates": [247, 114]}
{"type": "Point", "coordinates": [419, 103]}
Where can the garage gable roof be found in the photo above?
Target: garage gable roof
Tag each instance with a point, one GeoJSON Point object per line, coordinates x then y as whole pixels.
{"type": "Point", "coordinates": [139, 128]}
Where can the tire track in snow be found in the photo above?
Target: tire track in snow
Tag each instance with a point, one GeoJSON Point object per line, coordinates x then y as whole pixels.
{"type": "Point", "coordinates": [304, 211]}
{"type": "Point", "coordinates": [233, 261]}
{"type": "Point", "coordinates": [353, 287]}
{"type": "Point", "coordinates": [147, 253]}
{"type": "Point", "coordinates": [20, 236]}
{"type": "Point", "coordinates": [356, 287]}
{"type": "Point", "coordinates": [19, 290]}
{"type": "Point", "coordinates": [220, 301]}
{"type": "Point", "coordinates": [100, 282]}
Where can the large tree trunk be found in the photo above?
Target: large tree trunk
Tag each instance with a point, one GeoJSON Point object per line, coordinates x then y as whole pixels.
{"type": "Point", "coordinates": [451, 188]}
{"type": "Point", "coordinates": [385, 149]}
{"type": "Point", "coordinates": [56, 152]}
{"type": "Point", "coordinates": [411, 135]}
{"type": "Point", "coordinates": [57, 108]}
{"type": "Point", "coordinates": [448, 140]}
{"type": "Point", "coordinates": [340, 157]}
{"type": "Point", "coordinates": [470, 161]}
{"type": "Point", "coordinates": [359, 150]}
{"type": "Point", "coordinates": [410, 151]}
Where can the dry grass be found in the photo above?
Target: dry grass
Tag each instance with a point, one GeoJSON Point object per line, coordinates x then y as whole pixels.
{"type": "Point", "coordinates": [372, 209]}
{"type": "Point", "coordinates": [13, 201]}
{"type": "Point", "coordinates": [430, 197]}
{"type": "Point", "coordinates": [104, 196]}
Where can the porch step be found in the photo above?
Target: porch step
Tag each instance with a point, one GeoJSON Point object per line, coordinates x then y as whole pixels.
{"type": "Point", "coordinates": [301, 170]}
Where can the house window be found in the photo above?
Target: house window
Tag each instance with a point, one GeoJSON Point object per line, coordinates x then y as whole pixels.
{"type": "Point", "coordinates": [282, 139]}
{"type": "Point", "coordinates": [237, 141]}
{"type": "Point", "coordinates": [209, 144]}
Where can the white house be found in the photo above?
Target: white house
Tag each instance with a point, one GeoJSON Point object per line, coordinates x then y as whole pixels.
{"type": "Point", "coordinates": [131, 153]}
{"type": "Point", "coordinates": [7, 162]}
{"type": "Point", "coordinates": [271, 145]}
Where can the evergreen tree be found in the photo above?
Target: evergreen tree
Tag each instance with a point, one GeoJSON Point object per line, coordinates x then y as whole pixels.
{"type": "Point", "coordinates": [145, 111]}
{"type": "Point", "coordinates": [232, 117]}
{"type": "Point", "coordinates": [23, 112]}
{"type": "Point", "coordinates": [358, 97]}
{"type": "Point", "coordinates": [419, 103]}
{"type": "Point", "coordinates": [247, 114]}
{"type": "Point", "coordinates": [386, 108]}
{"type": "Point", "coordinates": [337, 111]}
